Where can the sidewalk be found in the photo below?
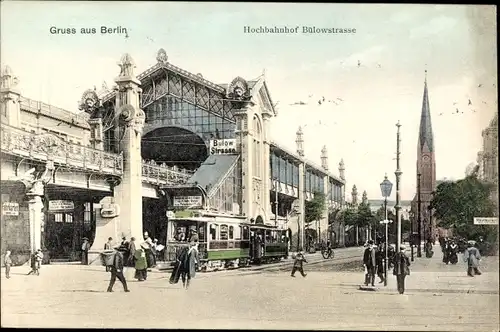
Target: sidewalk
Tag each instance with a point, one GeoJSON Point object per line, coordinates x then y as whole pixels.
{"type": "Point", "coordinates": [431, 275]}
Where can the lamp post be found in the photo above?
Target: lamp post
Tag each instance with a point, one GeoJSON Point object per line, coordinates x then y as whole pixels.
{"type": "Point", "coordinates": [419, 217]}
{"type": "Point", "coordinates": [386, 188]}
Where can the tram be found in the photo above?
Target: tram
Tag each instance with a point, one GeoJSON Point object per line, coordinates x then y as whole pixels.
{"type": "Point", "coordinates": [225, 242]}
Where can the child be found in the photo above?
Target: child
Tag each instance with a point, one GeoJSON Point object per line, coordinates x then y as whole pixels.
{"type": "Point", "coordinates": [298, 264]}
{"type": "Point", "coordinates": [8, 263]}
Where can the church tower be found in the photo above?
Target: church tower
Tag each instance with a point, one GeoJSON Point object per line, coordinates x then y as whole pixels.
{"type": "Point", "coordinates": [426, 166]}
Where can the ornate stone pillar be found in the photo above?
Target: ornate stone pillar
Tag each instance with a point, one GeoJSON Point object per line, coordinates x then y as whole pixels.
{"type": "Point", "coordinates": [128, 194]}
{"type": "Point", "coordinates": [324, 218]}
{"type": "Point", "coordinates": [35, 215]}
{"type": "Point", "coordinates": [266, 177]}
{"type": "Point", "coordinates": [10, 109]}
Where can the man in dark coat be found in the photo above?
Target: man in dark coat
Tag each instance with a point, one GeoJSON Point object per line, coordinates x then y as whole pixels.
{"type": "Point", "coordinates": [370, 262]}
{"type": "Point", "coordinates": [188, 269]}
{"type": "Point", "coordinates": [379, 257]}
{"type": "Point", "coordinates": [401, 268]}
{"type": "Point", "coordinates": [117, 272]}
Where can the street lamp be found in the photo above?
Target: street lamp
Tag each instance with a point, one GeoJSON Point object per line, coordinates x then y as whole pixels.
{"type": "Point", "coordinates": [386, 188]}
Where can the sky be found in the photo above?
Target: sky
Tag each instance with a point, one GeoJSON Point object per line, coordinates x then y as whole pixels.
{"type": "Point", "coordinates": [394, 45]}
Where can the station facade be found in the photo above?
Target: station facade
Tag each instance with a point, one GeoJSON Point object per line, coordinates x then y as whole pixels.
{"type": "Point", "coordinates": [156, 147]}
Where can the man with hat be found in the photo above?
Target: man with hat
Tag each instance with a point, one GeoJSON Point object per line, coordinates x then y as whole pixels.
{"type": "Point", "coordinates": [370, 262]}
{"type": "Point", "coordinates": [194, 236]}
{"type": "Point", "coordinates": [472, 257]}
{"type": "Point", "coordinates": [401, 268]}
{"type": "Point", "coordinates": [85, 251]}
{"type": "Point", "coordinates": [117, 271]}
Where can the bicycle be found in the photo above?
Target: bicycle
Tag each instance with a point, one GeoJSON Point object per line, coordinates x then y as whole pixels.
{"type": "Point", "coordinates": [327, 252]}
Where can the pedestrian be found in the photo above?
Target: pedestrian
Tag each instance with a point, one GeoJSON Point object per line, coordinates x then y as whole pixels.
{"type": "Point", "coordinates": [472, 258]}
{"type": "Point", "coordinates": [116, 270]}
{"type": "Point", "coordinates": [141, 264]}
{"type": "Point", "coordinates": [370, 263]}
{"type": "Point", "coordinates": [131, 252]}
{"type": "Point", "coordinates": [180, 258]}
{"type": "Point", "coordinates": [108, 246]}
{"type": "Point", "coordinates": [85, 251]}
{"type": "Point", "coordinates": [149, 251]}
{"type": "Point", "coordinates": [7, 261]}
{"type": "Point", "coordinates": [36, 262]}
{"type": "Point", "coordinates": [124, 249]}
{"type": "Point", "coordinates": [379, 257]}
{"type": "Point", "coordinates": [189, 266]}
{"type": "Point", "coordinates": [428, 249]}
{"type": "Point", "coordinates": [401, 268]}
{"type": "Point", "coordinates": [298, 264]}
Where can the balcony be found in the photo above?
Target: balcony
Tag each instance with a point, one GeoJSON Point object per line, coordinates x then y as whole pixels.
{"type": "Point", "coordinates": [49, 147]}
{"type": "Point", "coordinates": [163, 174]}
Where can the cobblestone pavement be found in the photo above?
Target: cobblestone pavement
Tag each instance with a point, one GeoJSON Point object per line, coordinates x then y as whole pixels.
{"type": "Point", "coordinates": [438, 298]}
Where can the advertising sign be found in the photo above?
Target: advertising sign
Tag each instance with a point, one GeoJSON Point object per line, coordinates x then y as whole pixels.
{"type": "Point", "coordinates": [187, 201]}
{"type": "Point", "coordinates": [61, 205]}
{"type": "Point", "coordinates": [485, 221]}
{"type": "Point", "coordinates": [223, 146]}
{"type": "Point", "coordinates": [10, 209]}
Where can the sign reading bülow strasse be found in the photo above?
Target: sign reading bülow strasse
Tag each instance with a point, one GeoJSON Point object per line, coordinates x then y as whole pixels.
{"type": "Point", "coordinates": [223, 146]}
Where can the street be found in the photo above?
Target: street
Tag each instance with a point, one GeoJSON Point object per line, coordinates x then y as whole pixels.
{"type": "Point", "coordinates": [438, 297]}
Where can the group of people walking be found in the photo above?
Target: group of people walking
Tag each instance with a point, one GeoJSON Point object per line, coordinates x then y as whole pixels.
{"type": "Point", "coordinates": [143, 259]}
{"type": "Point", "coordinates": [373, 260]}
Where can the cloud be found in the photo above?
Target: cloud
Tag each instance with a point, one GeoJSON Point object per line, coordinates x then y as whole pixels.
{"type": "Point", "coordinates": [434, 27]}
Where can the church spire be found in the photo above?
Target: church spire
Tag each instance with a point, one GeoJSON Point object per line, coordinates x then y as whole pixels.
{"type": "Point", "coordinates": [426, 137]}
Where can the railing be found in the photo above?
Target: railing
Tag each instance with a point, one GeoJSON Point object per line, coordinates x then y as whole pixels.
{"type": "Point", "coordinates": [51, 147]}
{"type": "Point", "coordinates": [54, 112]}
{"type": "Point", "coordinates": [170, 252]}
{"type": "Point", "coordinates": [154, 173]}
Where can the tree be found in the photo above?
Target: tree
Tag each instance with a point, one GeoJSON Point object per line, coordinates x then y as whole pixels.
{"type": "Point", "coordinates": [365, 215]}
{"type": "Point", "coordinates": [455, 205]}
{"type": "Point", "coordinates": [315, 208]}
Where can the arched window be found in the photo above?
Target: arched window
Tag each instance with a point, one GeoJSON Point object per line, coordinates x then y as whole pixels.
{"type": "Point", "coordinates": [257, 147]}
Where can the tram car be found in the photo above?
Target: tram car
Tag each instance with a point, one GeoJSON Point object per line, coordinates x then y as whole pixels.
{"type": "Point", "coordinates": [225, 242]}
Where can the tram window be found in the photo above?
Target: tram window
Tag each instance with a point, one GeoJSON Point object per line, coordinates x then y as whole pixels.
{"type": "Point", "coordinates": [246, 233]}
{"type": "Point", "coordinates": [237, 233]}
{"type": "Point", "coordinates": [223, 232]}
{"type": "Point", "coordinates": [201, 233]}
{"type": "Point", "coordinates": [231, 232]}
{"type": "Point", "coordinates": [58, 217]}
{"type": "Point", "coordinates": [213, 231]}
{"type": "Point", "coordinates": [268, 236]}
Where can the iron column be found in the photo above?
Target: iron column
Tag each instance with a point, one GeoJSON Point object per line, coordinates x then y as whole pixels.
{"type": "Point", "coordinates": [419, 220]}
{"type": "Point", "coordinates": [398, 180]}
{"type": "Point", "coordinates": [276, 202]}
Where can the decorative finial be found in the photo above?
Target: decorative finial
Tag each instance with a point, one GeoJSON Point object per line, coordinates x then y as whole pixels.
{"type": "Point", "coordinates": [161, 56]}
{"type": "Point", "coordinates": [127, 66]}
{"type": "Point", "coordinates": [9, 81]}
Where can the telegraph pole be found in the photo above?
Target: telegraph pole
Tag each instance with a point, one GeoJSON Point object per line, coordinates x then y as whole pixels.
{"type": "Point", "coordinates": [419, 217]}
{"type": "Point", "coordinates": [398, 180]}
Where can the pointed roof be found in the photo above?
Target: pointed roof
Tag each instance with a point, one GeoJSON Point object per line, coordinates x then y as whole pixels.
{"type": "Point", "coordinates": [426, 136]}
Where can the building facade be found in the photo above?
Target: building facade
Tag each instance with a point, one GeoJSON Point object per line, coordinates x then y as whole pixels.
{"type": "Point", "coordinates": [156, 144]}
{"type": "Point", "coordinates": [488, 157]}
